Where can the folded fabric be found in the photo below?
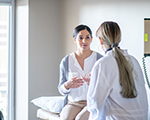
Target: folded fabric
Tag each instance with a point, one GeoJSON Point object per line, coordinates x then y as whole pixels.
{"type": "Point", "coordinates": [53, 103]}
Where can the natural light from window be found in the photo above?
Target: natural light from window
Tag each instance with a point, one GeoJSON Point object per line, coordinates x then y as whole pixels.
{"type": "Point", "coordinates": [4, 37]}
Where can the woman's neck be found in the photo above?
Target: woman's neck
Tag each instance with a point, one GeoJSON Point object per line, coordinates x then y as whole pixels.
{"type": "Point", "coordinates": [83, 54]}
{"type": "Point", "coordinates": [105, 47]}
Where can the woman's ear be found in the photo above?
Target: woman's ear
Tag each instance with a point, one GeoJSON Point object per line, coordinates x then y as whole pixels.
{"type": "Point", "coordinates": [101, 42]}
{"type": "Point", "coordinates": [74, 40]}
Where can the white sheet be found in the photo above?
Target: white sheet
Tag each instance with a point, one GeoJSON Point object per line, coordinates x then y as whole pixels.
{"type": "Point", "coordinates": [46, 115]}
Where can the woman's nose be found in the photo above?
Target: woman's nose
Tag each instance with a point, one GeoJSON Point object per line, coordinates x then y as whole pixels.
{"type": "Point", "coordinates": [84, 39]}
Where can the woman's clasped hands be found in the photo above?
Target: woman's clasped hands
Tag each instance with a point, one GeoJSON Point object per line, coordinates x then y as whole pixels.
{"type": "Point", "coordinates": [86, 79]}
{"type": "Point", "coordinates": [77, 82]}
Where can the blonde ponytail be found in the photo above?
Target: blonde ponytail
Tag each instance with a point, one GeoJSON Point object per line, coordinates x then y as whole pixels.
{"type": "Point", "coordinates": [110, 34]}
{"type": "Point", "coordinates": [125, 75]}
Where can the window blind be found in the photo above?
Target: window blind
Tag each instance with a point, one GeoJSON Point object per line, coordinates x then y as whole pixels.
{"type": "Point", "coordinates": [5, 1]}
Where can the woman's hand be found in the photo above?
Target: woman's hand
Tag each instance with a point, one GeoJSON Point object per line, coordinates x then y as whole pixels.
{"type": "Point", "coordinates": [73, 83]}
{"type": "Point", "coordinates": [87, 80]}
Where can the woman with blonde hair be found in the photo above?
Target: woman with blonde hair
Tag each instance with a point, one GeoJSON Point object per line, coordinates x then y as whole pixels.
{"type": "Point", "coordinates": [117, 88]}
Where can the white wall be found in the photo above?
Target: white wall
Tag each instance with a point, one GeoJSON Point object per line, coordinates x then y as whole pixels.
{"type": "Point", "coordinates": [129, 14]}
{"type": "Point", "coordinates": [37, 53]}
{"type": "Point", "coordinates": [44, 50]}
{"type": "Point", "coordinates": [70, 11]}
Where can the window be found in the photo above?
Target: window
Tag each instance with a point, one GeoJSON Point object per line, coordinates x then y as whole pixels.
{"type": "Point", "coordinates": [7, 59]}
{"type": "Point", "coordinates": [4, 25]}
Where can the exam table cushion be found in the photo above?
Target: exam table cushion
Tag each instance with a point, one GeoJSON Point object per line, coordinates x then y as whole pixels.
{"type": "Point", "coordinates": [53, 104]}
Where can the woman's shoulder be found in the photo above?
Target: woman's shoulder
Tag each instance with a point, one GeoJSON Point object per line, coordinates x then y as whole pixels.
{"type": "Point", "coordinates": [105, 61]}
{"type": "Point", "coordinates": [65, 60]}
{"type": "Point", "coordinates": [133, 58]}
{"type": "Point", "coordinates": [98, 54]}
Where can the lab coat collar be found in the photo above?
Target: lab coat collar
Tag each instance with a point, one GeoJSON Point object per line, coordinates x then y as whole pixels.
{"type": "Point", "coordinates": [108, 50]}
{"type": "Point", "coordinates": [125, 52]}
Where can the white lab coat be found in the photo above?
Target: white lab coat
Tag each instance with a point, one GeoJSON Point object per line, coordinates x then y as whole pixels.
{"type": "Point", "coordinates": [104, 100]}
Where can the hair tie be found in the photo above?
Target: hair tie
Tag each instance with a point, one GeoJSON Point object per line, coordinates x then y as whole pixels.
{"type": "Point", "coordinates": [114, 45]}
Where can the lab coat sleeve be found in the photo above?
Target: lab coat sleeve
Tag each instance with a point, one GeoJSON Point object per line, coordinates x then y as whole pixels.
{"type": "Point", "coordinates": [97, 94]}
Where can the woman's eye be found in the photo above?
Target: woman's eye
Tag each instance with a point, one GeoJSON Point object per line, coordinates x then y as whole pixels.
{"type": "Point", "coordinates": [87, 37]}
{"type": "Point", "coordinates": [80, 38]}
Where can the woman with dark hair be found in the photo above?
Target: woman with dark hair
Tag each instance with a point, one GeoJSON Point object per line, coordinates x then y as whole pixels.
{"type": "Point", "coordinates": [75, 71]}
{"type": "Point", "coordinates": [117, 88]}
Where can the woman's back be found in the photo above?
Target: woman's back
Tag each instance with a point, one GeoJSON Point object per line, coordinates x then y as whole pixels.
{"type": "Point", "coordinates": [116, 106]}
{"type": "Point", "coordinates": [117, 88]}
